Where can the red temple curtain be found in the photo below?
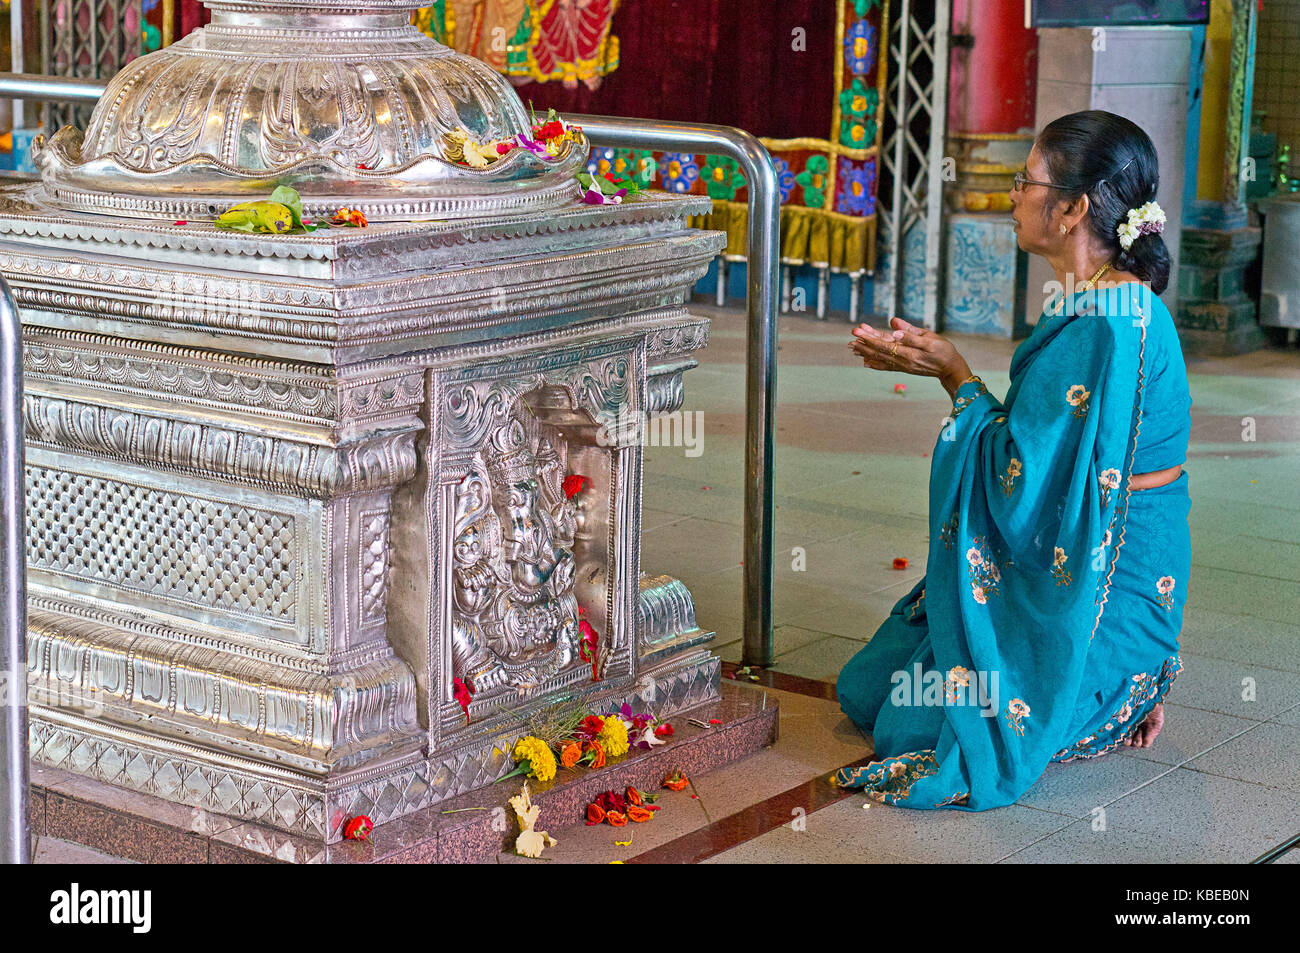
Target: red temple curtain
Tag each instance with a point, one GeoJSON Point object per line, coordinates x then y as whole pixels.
{"type": "Point", "coordinates": [762, 65]}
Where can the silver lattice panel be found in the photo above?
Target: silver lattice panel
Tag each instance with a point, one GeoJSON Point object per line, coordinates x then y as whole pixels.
{"type": "Point", "coordinates": [200, 551]}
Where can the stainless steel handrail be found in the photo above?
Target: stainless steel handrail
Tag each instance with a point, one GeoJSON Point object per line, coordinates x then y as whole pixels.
{"type": "Point", "coordinates": [760, 375]}
{"type": "Point", "coordinates": [15, 817]}
{"type": "Point", "coordinates": [55, 89]}
{"type": "Point", "coordinates": [764, 288]}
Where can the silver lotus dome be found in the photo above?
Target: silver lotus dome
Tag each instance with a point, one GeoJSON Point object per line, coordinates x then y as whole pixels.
{"type": "Point", "coordinates": [347, 103]}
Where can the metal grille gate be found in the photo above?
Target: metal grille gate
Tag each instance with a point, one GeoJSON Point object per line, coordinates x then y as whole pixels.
{"type": "Point", "coordinates": [912, 153]}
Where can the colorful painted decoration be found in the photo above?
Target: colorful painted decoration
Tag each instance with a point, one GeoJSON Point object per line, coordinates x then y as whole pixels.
{"type": "Point", "coordinates": [569, 41]}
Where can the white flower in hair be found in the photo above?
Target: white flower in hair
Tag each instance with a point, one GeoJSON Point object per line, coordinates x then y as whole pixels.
{"type": "Point", "coordinates": [1147, 220]}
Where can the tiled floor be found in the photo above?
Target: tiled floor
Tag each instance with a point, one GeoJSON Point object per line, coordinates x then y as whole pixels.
{"type": "Point", "coordinates": [852, 471]}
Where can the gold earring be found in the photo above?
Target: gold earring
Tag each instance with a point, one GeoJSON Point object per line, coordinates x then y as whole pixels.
{"type": "Point", "coordinates": [1064, 230]}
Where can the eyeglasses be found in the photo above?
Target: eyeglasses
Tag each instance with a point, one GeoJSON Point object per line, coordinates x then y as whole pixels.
{"type": "Point", "coordinates": [1022, 180]}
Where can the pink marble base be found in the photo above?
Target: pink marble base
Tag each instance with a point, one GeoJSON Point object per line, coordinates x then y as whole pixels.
{"type": "Point", "coordinates": [151, 830]}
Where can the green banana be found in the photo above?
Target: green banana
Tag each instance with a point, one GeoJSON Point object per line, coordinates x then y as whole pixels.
{"type": "Point", "coordinates": [257, 217]}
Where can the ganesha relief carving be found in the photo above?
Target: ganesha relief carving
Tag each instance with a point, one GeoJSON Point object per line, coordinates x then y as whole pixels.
{"type": "Point", "coordinates": [514, 611]}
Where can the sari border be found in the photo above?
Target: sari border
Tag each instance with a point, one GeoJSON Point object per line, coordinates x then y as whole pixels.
{"type": "Point", "coordinates": [916, 765]}
{"type": "Point", "coordinates": [1169, 672]}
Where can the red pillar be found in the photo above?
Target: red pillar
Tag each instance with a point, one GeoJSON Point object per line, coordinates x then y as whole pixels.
{"type": "Point", "coordinates": [993, 80]}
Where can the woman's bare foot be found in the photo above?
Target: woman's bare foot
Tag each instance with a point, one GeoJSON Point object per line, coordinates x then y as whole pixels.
{"type": "Point", "coordinates": [1145, 734]}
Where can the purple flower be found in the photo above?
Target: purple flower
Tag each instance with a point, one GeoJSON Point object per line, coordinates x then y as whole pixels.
{"type": "Point", "coordinates": [532, 145]}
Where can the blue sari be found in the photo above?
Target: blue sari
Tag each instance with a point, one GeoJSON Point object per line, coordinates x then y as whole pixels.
{"type": "Point", "coordinates": [1046, 627]}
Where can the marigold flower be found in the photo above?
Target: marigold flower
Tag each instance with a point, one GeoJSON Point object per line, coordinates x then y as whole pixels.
{"type": "Point", "coordinates": [599, 760]}
{"type": "Point", "coordinates": [613, 735]}
{"type": "Point", "coordinates": [349, 216]}
{"type": "Point", "coordinates": [538, 754]}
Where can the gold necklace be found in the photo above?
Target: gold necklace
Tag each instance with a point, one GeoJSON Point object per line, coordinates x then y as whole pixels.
{"type": "Point", "coordinates": [1090, 283]}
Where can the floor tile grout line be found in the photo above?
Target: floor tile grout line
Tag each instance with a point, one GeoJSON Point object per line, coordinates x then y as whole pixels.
{"type": "Point", "coordinates": [1188, 760]}
{"type": "Point", "coordinates": [1267, 668]}
{"type": "Point", "coordinates": [1215, 711]}
{"type": "Point", "coordinates": [1083, 817]}
{"type": "Point", "coordinates": [1238, 661]}
{"type": "Point", "coordinates": [1070, 823]}
{"type": "Point", "coordinates": [1169, 769]}
{"type": "Point", "coordinates": [1244, 572]}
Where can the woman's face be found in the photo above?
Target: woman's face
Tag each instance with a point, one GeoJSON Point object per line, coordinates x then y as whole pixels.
{"type": "Point", "coordinates": [1036, 210]}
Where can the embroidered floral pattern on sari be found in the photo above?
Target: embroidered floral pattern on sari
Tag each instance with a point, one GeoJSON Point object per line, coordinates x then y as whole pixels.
{"type": "Point", "coordinates": [948, 532]}
{"type": "Point", "coordinates": [1165, 588]}
{"type": "Point", "coordinates": [1145, 692]}
{"type": "Point", "coordinates": [1108, 480]}
{"type": "Point", "coordinates": [1008, 479]}
{"type": "Point", "coordinates": [1077, 397]}
{"type": "Point", "coordinates": [958, 677]}
{"type": "Point", "coordinates": [960, 401]}
{"type": "Point", "coordinates": [1059, 572]}
{"type": "Point", "coordinates": [984, 572]}
{"type": "Point", "coordinates": [1017, 712]}
{"type": "Point", "coordinates": [889, 781]}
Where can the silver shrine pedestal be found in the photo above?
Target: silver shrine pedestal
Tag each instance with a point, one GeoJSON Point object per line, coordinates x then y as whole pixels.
{"type": "Point", "coordinates": [283, 490]}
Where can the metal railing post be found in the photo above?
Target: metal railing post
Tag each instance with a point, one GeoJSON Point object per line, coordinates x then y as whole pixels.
{"type": "Point", "coordinates": [764, 287]}
{"type": "Point", "coordinates": [15, 816]}
{"type": "Point", "coordinates": [760, 376]}
{"type": "Point", "coordinates": [55, 89]}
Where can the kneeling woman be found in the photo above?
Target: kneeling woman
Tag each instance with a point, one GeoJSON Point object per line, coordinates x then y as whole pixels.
{"type": "Point", "coordinates": [1049, 615]}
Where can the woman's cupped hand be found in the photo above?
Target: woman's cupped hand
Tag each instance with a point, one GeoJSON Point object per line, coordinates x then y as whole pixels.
{"type": "Point", "coordinates": [907, 349]}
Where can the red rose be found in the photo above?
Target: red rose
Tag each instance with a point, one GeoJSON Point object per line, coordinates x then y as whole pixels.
{"type": "Point", "coordinates": [612, 801]}
{"type": "Point", "coordinates": [664, 731]}
{"type": "Point", "coordinates": [676, 781]}
{"type": "Point", "coordinates": [574, 484]}
{"type": "Point", "coordinates": [550, 130]}
{"type": "Point", "coordinates": [462, 691]}
{"type": "Point", "coordinates": [358, 828]}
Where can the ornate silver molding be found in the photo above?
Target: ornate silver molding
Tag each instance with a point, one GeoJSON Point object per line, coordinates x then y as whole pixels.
{"type": "Point", "coordinates": [283, 489]}
{"type": "Point", "coordinates": [241, 455]}
{"type": "Point", "coordinates": [356, 111]}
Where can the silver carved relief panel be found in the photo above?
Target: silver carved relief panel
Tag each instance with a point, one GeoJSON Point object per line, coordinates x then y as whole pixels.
{"type": "Point", "coordinates": [514, 615]}
{"type": "Point", "coordinates": [526, 556]}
